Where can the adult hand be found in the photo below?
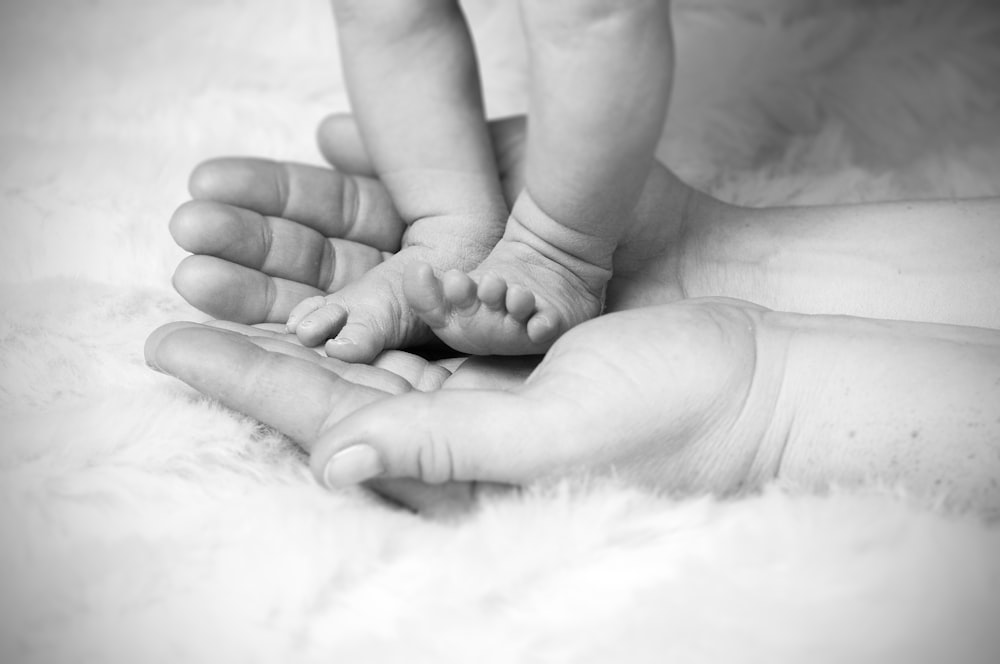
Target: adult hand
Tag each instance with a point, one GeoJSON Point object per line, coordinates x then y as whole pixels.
{"type": "Point", "coordinates": [678, 396]}
{"type": "Point", "coordinates": [306, 390]}
{"type": "Point", "coordinates": [265, 235]}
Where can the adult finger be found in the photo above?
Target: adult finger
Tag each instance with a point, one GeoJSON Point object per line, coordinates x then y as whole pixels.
{"type": "Point", "coordinates": [335, 205]}
{"type": "Point", "coordinates": [275, 246]}
{"type": "Point", "coordinates": [444, 436]}
{"type": "Point", "coordinates": [233, 292]}
{"type": "Point", "coordinates": [340, 142]}
{"type": "Point", "coordinates": [295, 395]}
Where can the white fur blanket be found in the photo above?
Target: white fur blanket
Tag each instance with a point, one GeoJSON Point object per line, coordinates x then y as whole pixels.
{"type": "Point", "coordinates": [140, 522]}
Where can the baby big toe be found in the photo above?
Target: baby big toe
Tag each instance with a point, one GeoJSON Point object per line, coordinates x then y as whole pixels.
{"type": "Point", "coordinates": [303, 309]}
{"type": "Point", "coordinates": [356, 342]}
{"type": "Point", "coordinates": [321, 324]}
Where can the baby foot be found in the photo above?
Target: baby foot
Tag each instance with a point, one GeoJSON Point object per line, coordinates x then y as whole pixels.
{"type": "Point", "coordinates": [365, 317]}
{"type": "Point", "coordinates": [540, 280]}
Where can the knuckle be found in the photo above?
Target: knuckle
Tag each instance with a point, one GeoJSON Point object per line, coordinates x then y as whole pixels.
{"type": "Point", "coordinates": [435, 459]}
{"type": "Point", "coordinates": [350, 200]}
{"type": "Point", "coordinates": [435, 462]}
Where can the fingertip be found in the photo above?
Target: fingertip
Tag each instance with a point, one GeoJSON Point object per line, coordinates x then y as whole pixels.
{"type": "Point", "coordinates": [246, 182]}
{"type": "Point", "coordinates": [155, 340]}
{"type": "Point", "coordinates": [204, 227]}
{"type": "Point", "coordinates": [350, 466]}
{"type": "Point", "coordinates": [341, 144]}
{"type": "Point", "coordinates": [205, 282]}
{"type": "Point", "coordinates": [183, 224]}
{"type": "Point", "coordinates": [190, 351]}
{"type": "Point", "coordinates": [190, 278]}
{"type": "Point", "coordinates": [206, 178]}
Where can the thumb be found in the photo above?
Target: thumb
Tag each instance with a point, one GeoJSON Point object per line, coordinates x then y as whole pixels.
{"type": "Point", "coordinates": [437, 437]}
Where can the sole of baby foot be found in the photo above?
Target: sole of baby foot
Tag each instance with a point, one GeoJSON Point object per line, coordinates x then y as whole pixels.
{"type": "Point", "coordinates": [487, 313]}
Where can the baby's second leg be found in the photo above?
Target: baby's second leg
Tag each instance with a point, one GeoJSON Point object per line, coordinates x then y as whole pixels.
{"type": "Point", "coordinates": [411, 72]}
{"type": "Point", "coordinates": [598, 101]}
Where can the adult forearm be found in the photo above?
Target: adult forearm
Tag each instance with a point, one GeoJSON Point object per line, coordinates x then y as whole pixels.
{"type": "Point", "coordinates": [933, 261]}
{"type": "Point", "coordinates": [869, 401]}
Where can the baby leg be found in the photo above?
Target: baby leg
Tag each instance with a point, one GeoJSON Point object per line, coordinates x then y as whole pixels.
{"type": "Point", "coordinates": [406, 59]}
{"type": "Point", "coordinates": [602, 71]}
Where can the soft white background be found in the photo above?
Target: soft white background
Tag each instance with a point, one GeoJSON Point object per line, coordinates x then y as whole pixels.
{"type": "Point", "coordinates": [140, 522]}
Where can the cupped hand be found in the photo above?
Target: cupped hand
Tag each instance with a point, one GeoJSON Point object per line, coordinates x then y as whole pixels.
{"type": "Point", "coordinates": [676, 397]}
{"type": "Point", "coordinates": [266, 235]}
{"type": "Point", "coordinates": [306, 391]}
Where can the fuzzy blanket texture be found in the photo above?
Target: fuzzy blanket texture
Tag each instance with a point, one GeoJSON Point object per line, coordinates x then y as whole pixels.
{"type": "Point", "coordinates": [141, 522]}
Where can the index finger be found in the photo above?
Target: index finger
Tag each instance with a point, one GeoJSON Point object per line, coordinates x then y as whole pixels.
{"type": "Point", "coordinates": [336, 205]}
{"type": "Point", "coordinates": [294, 395]}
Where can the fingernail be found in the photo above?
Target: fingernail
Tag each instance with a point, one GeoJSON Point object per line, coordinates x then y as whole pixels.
{"type": "Point", "coordinates": [306, 323]}
{"type": "Point", "coordinates": [351, 466]}
{"type": "Point", "coordinates": [341, 341]}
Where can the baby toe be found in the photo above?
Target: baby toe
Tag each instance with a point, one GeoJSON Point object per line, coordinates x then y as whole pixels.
{"type": "Point", "coordinates": [492, 291]}
{"type": "Point", "coordinates": [459, 290]}
{"type": "Point", "coordinates": [520, 302]}
{"type": "Point", "coordinates": [321, 324]}
{"type": "Point", "coordinates": [303, 309]}
{"type": "Point", "coordinates": [356, 342]}
{"type": "Point", "coordinates": [541, 329]}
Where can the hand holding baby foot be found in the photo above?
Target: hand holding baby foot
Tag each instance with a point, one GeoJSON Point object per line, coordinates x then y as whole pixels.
{"type": "Point", "coordinates": [267, 235]}
{"type": "Point", "coordinates": [308, 390]}
{"type": "Point", "coordinates": [679, 396]}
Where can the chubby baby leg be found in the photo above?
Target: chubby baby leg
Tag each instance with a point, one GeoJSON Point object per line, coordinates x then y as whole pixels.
{"type": "Point", "coordinates": [599, 90]}
{"type": "Point", "coordinates": [411, 72]}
